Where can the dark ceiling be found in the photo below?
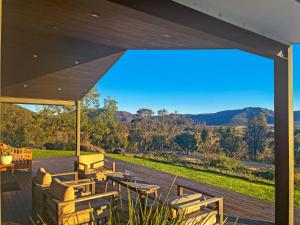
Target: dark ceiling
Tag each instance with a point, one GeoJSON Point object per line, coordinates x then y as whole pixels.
{"type": "Point", "coordinates": [60, 49]}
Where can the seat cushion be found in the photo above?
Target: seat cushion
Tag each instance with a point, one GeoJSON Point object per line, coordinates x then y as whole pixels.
{"type": "Point", "coordinates": [43, 178]}
{"type": "Point", "coordinates": [93, 161]}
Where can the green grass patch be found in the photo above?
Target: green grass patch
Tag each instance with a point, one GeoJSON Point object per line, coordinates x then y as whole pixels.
{"type": "Point", "coordinates": [40, 153]}
{"type": "Point", "coordinates": [258, 190]}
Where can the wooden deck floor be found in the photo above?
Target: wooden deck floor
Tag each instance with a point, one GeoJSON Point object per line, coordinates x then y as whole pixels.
{"type": "Point", "coordinates": [16, 205]}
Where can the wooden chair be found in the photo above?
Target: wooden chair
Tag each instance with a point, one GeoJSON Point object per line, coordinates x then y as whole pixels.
{"type": "Point", "coordinates": [196, 208]}
{"type": "Point", "coordinates": [22, 157]}
{"type": "Point", "coordinates": [64, 208]}
{"type": "Point", "coordinates": [93, 166]}
{"type": "Point", "coordinates": [43, 180]}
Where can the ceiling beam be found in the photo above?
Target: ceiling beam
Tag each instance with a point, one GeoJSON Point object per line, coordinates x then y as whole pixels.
{"type": "Point", "coordinates": [36, 101]}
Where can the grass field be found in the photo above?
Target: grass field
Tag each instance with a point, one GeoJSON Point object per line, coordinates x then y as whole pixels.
{"type": "Point", "coordinates": [38, 153]}
{"type": "Point", "coordinates": [261, 191]}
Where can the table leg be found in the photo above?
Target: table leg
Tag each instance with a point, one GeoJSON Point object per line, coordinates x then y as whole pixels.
{"type": "Point", "coordinates": [155, 195]}
{"type": "Point", "coordinates": [119, 189]}
{"type": "Point", "coordinates": [106, 185]}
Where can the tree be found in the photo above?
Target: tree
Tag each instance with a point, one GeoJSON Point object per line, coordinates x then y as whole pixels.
{"type": "Point", "coordinates": [104, 124]}
{"type": "Point", "coordinates": [186, 141]}
{"type": "Point", "coordinates": [207, 141]}
{"type": "Point", "coordinates": [256, 135]}
{"type": "Point", "coordinates": [162, 112]}
{"type": "Point", "coordinates": [231, 141]}
{"type": "Point", "coordinates": [158, 142]}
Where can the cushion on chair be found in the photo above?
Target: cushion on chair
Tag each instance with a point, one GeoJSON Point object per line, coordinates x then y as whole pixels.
{"type": "Point", "coordinates": [183, 198]}
{"type": "Point", "coordinates": [63, 192]}
{"type": "Point", "coordinates": [43, 178]}
{"type": "Point", "coordinates": [93, 161]}
{"type": "Point", "coordinates": [187, 204]}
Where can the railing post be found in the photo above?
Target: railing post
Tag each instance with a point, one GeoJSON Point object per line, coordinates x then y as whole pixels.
{"type": "Point", "coordinates": [284, 138]}
{"type": "Point", "coordinates": [77, 128]}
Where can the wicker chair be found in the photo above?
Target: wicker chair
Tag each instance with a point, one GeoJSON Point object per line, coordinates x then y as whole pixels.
{"type": "Point", "coordinates": [195, 208]}
{"type": "Point", "coordinates": [64, 208]}
{"type": "Point", "coordinates": [42, 182]}
{"type": "Point", "coordinates": [93, 166]}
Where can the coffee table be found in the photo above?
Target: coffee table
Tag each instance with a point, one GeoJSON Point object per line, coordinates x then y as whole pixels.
{"type": "Point", "coordinates": [143, 188]}
{"type": "Point", "coordinates": [10, 166]}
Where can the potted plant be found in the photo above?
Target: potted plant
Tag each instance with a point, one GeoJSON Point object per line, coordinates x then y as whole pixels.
{"type": "Point", "coordinates": [6, 156]}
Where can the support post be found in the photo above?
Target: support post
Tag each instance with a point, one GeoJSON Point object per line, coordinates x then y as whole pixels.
{"type": "Point", "coordinates": [1, 3]}
{"type": "Point", "coordinates": [77, 128]}
{"type": "Point", "coordinates": [284, 139]}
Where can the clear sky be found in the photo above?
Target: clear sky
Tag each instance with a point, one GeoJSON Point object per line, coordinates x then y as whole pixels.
{"type": "Point", "coordinates": [193, 81]}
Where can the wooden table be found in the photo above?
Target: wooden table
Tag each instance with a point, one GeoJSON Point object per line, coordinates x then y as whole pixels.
{"type": "Point", "coordinates": [10, 166]}
{"type": "Point", "coordinates": [143, 188]}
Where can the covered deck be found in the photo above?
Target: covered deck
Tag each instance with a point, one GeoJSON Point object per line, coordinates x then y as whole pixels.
{"type": "Point", "coordinates": [54, 52]}
{"type": "Point", "coordinates": [17, 204]}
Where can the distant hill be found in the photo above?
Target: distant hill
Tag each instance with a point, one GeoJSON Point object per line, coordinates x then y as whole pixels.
{"type": "Point", "coordinates": [233, 117]}
{"type": "Point", "coordinates": [16, 109]}
{"type": "Point", "coordinates": [227, 117]}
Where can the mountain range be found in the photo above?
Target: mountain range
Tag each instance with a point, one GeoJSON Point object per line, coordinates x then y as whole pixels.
{"type": "Point", "coordinates": [227, 117]}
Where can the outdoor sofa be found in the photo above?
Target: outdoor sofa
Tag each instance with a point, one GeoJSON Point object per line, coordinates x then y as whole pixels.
{"type": "Point", "coordinates": [93, 166]}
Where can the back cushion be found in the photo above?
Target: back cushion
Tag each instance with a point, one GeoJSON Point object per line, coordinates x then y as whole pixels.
{"type": "Point", "coordinates": [63, 192]}
{"type": "Point", "coordinates": [43, 178]}
{"type": "Point", "coordinates": [93, 161]}
{"type": "Point", "coordinates": [186, 198]}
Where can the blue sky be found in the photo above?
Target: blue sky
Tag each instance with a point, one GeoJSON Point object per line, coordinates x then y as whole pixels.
{"type": "Point", "coordinates": [193, 81]}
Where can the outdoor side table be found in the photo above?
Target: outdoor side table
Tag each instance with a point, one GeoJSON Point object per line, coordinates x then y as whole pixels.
{"type": "Point", "coordinates": [10, 166]}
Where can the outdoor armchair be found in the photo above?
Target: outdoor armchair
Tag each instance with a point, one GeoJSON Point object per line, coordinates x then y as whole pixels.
{"type": "Point", "coordinates": [93, 166]}
{"type": "Point", "coordinates": [196, 208]}
{"type": "Point", "coordinates": [42, 181]}
{"type": "Point", "coordinates": [63, 207]}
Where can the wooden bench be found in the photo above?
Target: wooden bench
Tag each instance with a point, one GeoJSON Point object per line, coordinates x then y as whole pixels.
{"type": "Point", "coordinates": [22, 158]}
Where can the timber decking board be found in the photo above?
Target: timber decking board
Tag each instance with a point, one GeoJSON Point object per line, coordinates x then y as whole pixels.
{"type": "Point", "coordinates": [16, 206]}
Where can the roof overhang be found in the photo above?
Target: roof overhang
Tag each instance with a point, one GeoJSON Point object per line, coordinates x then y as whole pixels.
{"type": "Point", "coordinates": [278, 20]}
{"type": "Point", "coordinates": [60, 49]}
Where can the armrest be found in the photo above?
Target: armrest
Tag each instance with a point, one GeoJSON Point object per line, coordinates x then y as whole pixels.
{"type": "Point", "coordinates": [113, 166]}
{"type": "Point", "coordinates": [97, 162]}
{"type": "Point", "coordinates": [83, 164]}
{"type": "Point", "coordinates": [88, 198]}
{"type": "Point", "coordinates": [80, 181]}
{"type": "Point", "coordinates": [202, 203]}
{"type": "Point", "coordinates": [75, 174]}
{"type": "Point", "coordinates": [180, 190]}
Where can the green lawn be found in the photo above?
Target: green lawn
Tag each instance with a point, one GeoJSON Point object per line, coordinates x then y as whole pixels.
{"type": "Point", "coordinates": [38, 153]}
{"type": "Point", "coordinates": [261, 191]}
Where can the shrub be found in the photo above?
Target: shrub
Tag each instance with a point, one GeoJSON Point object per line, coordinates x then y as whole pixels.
{"type": "Point", "coordinates": [88, 147]}
{"type": "Point", "coordinates": [162, 157]}
{"type": "Point", "coordinates": [222, 161]}
{"type": "Point", "coordinates": [58, 145]}
{"type": "Point", "coordinates": [266, 156]}
{"type": "Point", "coordinates": [264, 173]}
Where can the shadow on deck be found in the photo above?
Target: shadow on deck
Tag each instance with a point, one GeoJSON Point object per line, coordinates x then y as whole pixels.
{"type": "Point", "coordinates": [16, 204]}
